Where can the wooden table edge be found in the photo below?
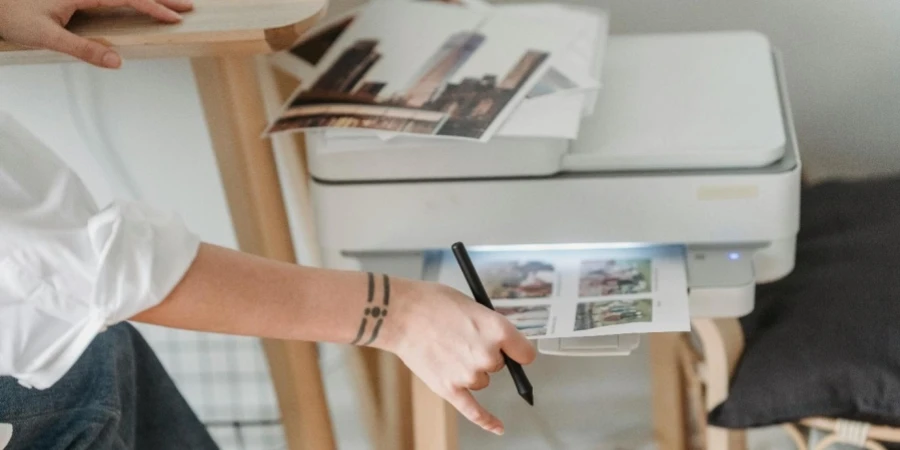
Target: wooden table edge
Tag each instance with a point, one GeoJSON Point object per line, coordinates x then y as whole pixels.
{"type": "Point", "coordinates": [149, 45]}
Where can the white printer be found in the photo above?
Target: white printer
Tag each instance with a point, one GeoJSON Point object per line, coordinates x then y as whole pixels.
{"type": "Point", "coordinates": [691, 143]}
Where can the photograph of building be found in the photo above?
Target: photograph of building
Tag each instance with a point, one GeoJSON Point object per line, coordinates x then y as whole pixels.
{"type": "Point", "coordinates": [615, 277]}
{"type": "Point", "coordinates": [441, 67]}
{"type": "Point", "coordinates": [616, 312]}
{"type": "Point", "coordinates": [529, 320]}
{"type": "Point", "coordinates": [430, 104]}
{"type": "Point", "coordinates": [518, 279]}
{"type": "Point", "coordinates": [314, 47]}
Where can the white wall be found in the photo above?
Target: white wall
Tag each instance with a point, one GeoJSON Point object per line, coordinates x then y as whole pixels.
{"type": "Point", "coordinates": [149, 114]}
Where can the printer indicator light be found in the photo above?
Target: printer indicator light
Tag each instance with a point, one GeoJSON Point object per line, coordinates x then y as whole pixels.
{"type": "Point", "coordinates": [734, 256]}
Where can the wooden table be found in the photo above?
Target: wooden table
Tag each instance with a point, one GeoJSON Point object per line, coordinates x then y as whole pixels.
{"type": "Point", "coordinates": [223, 38]}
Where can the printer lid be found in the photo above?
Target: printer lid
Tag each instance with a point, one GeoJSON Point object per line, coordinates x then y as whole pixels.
{"type": "Point", "coordinates": [683, 101]}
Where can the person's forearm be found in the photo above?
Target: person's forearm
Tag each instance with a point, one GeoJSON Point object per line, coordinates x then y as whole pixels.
{"type": "Point", "coordinates": [449, 341]}
{"type": "Point", "coordinates": [230, 292]}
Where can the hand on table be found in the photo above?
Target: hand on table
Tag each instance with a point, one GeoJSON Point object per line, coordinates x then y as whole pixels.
{"type": "Point", "coordinates": [41, 24]}
{"type": "Point", "coordinates": [452, 344]}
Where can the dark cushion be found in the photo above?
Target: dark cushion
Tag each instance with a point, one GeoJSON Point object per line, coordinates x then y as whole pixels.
{"type": "Point", "coordinates": [825, 340]}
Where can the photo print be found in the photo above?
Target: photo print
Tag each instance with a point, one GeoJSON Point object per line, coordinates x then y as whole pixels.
{"type": "Point", "coordinates": [312, 47]}
{"type": "Point", "coordinates": [592, 315]}
{"type": "Point", "coordinates": [615, 277]}
{"type": "Point", "coordinates": [529, 320]}
{"type": "Point", "coordinates": [515, 279]}
{"type": "Point", "coordinates": [544, 292]}
{"type": "Point", "coordinates": [460, 76]}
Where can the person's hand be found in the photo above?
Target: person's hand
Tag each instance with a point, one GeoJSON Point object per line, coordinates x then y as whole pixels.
{"type": "Point", "coordinates": [452, 344]}
{"type": "Point", "coordinates": [41, 24]}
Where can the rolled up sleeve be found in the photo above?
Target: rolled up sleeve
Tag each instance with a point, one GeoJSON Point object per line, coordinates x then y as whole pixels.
{"type": "Point", "coordinates": [69, 269]}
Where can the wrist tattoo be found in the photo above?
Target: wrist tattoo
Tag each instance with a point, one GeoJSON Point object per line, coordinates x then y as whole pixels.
{"type": "Point", "coordinates": [378, 313]}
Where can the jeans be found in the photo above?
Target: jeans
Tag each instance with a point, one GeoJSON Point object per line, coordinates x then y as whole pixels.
{"type": "Point", "coordinates": [117, 396]}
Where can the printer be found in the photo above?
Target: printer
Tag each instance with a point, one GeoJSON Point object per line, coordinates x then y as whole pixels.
{"type": "Point", "coordinates": [691, 143]}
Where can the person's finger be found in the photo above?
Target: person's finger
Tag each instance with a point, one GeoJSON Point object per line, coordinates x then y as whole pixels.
{"type": "Point", "coordinates": [61, 40]}
{"type": "Point", "coordinates": [153, 9]}
{"type": "Point", "coordinates": [516, 346]}
{"type": "Point", "coordinates": [497, 365]}
{"type": "Point", "coordinates": [149, 7]}
{"type": "Point", "coordinates": [466, 404]}
{"type": "Point", "coordinates": [480, 381]}
{"type": "Point", "coordinates": [178, 5]}
{"type": "Point", "coordinates": [490, 361]}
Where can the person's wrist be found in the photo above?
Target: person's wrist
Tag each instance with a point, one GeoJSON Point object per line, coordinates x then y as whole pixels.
{"type": "Point", "coordinates": [405, 295]}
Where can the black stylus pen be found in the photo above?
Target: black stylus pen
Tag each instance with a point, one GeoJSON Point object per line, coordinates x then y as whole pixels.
{"type": "Point", "coordinates": [480, 295]}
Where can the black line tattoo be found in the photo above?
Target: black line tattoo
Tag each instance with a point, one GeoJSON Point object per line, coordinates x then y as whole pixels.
{"type": "Point", "coordinates": [375, 331]}
{"type": "Point", "coordinates": [387, 290]}
{"type": "Point", "coordinates": [371, 295]}
{"type": "Point", "coordinates": [362, 330]}
{"type": "Point", "coordinates": [377, 313]}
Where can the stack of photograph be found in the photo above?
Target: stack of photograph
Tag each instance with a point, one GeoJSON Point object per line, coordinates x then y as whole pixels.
{"type": "Point", "coordinates": [406, 71]}
{"type": "Point", "coordinates": [577, 293]}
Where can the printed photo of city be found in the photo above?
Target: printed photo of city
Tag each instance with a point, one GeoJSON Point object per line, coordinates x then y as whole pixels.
{"type": "Point", "coordinates": [436, 101]}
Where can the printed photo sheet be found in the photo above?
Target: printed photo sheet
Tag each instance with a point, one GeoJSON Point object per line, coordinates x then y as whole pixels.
{"type": "Point", "coordinates": [441, 70]}
{"type": "Point", "coordinates": [567, 90]}
{"type": "Point", "coordinates": [576, 293]}
{"type": "Point", "coordinates": [574, 68]}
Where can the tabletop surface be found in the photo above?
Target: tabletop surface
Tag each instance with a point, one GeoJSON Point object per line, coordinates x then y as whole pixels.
{"type": "Point", "coordinates": [214, 27]}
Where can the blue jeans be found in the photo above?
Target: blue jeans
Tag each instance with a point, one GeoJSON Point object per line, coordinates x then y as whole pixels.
{"type": "Point", "coordinates": [117, 396]}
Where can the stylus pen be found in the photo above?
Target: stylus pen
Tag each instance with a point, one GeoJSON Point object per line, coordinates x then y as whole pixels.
{"type": "Point", "coordinates": [480, 295]}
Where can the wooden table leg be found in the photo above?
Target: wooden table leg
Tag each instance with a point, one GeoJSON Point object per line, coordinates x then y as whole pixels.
{"type": "Point", "coordinates": [434, 420]}
{"type": "Point", "coordinates": [290, 152]}
{"type": "Point", "coordinates": [235, 115]}
{"type": "Point", "coordinates": [669, 402]}
{"type": "Point", "coordinates": [396, 402]}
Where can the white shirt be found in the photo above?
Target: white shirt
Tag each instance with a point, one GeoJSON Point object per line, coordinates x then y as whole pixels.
{"type": "Point", "coordinates": [69, 269]}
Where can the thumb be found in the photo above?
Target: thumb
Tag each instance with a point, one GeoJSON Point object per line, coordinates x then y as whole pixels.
{"type": "Point", "coordinates": [59, 39]}
{"type": "Point", "coordinates": [465, 403]}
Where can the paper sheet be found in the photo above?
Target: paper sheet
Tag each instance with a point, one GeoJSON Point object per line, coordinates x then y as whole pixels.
{"type": "Point", "coordinates": [578, 62]}
{"type": "Point", "coordinates": [577, 293]}
{"type": "Point", "coordinates": [440, 71]}
{"type": "Point", "coordinates": [548, 116]}
{"type": "Point", "coordinates": [573, 67]}
{"type": "Point", "coordinates": [581, 63]}
{"type": "Point", "coordinates": [552, 108]}
{"type": "Point", "coordinates": [567, 92]}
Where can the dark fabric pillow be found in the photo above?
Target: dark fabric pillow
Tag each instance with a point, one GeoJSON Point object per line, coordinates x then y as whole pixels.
{"type": "Point", "coordinates": [825, 340]}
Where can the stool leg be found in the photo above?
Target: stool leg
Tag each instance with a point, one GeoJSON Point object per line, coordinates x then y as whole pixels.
{"type": "Point", "coordinates": [722, 341]}
{"type": "Point", "coordinates": [669, 403]}
{"type": "Point", "coordinates": [235, 114]}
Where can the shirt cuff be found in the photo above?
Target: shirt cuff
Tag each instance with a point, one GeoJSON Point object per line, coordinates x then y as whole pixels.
{"type": "Point", "coordinates": [145, 254]}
